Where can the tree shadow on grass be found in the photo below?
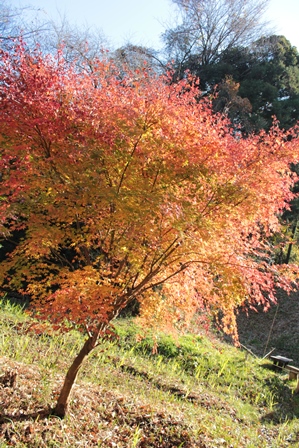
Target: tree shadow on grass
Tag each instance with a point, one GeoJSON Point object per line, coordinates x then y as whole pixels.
{"type": "Point", "coordinates": [20, 417]}
{"type": "Point", "coordinates": [15, 299]}
{"type": "Point", "coordinates": [285, 402]}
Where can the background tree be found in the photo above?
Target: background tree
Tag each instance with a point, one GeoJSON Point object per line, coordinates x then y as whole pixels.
{"type": "Point", "coordinates": [207, 28]}
{"type": "Point", "coordinates": [272, 81]}
{"type": "Point", "coordinates": [228, 101]}
{"type": "Point", "coordinates": [13, 24]}
{"type": "Point", "coordinates": [127, 187]}
{"type": "Point", "coordinates": [81, 44]}
{"type": "Point", "coordinates": [262, 83]}
{"type": "Point", "coordinates": [138, 57]}
{"type": "Point", "coordinates": [255, 83]}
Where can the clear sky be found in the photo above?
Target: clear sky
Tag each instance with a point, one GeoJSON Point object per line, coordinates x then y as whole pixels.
{"type": "Point", "coordinates": [142, 21]}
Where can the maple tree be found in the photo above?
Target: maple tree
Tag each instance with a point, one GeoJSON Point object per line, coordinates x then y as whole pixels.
{"type": "Point", "coordinates": [122, 186]}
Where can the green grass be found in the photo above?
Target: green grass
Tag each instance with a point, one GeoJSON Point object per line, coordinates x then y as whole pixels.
{"type": "Point", "coordinates": [195, 392]}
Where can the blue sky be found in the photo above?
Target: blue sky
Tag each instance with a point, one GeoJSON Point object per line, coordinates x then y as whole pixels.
{"type": "Point", "coordinates": [142, 21]}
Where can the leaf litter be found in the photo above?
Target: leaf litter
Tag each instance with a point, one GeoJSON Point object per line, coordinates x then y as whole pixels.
{"type": "Point", "coordinates": [97, 417]}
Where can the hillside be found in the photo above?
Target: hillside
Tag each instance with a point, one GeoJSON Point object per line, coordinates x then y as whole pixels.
{"type": "Point", "coordinates": [195, 392]}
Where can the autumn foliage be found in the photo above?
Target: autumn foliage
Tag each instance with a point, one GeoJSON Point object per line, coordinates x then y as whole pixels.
{"type": "Point", "coordinates": [123, 186]}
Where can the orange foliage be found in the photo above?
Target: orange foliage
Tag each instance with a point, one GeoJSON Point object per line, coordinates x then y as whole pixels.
{"type": "Point", "coordinates": [127, 187]}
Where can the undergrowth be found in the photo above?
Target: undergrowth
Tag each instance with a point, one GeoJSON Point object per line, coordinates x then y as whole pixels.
{"type": "Point", "coordinates": [194, 392]}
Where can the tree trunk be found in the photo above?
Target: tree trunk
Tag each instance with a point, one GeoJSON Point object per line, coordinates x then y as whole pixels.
{"type": "Point", "coordinates": [62, 402]}
{"type": "Point", "coordinates": [291, 244]}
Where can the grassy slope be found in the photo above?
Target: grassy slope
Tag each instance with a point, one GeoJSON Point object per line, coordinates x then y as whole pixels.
{"type": "Point", "coordinates": [199, 393]}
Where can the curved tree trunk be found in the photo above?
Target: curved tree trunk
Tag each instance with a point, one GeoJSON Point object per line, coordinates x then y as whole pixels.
{"type": "Point", "coordinates": [60, 408]}
{"type": "Point", "coordinates": [62, 402]}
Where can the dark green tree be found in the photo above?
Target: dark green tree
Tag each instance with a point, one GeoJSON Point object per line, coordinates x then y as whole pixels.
{"type": "Point", "coordinates": [264, 74]}
{"type": "Point", "coordinates": [272, 82]}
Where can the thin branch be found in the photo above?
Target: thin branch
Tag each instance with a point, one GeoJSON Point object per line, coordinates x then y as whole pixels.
{"type": "Point", "coordinates": [128, 164]}
{"type": "Point", "coordinates": [167, 252]}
